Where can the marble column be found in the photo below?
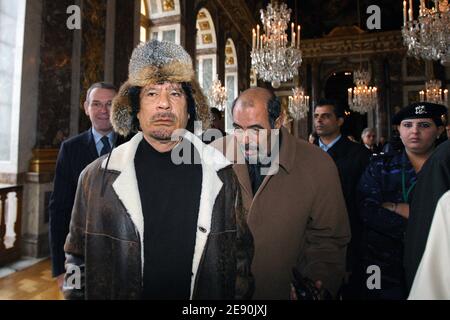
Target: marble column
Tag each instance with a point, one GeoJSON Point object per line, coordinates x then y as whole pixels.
{"type": "Point", "coordinates": [54, 75]}
{"type": "Point", "coordinates": [220, 54]}
{"type": "Point", "coordinates": [53, 118]}
{"type": "Point", "coordinates": [124, 39]}
{"type": "Point", "coordinates": [70, 61]}
{"type": "Point", "coordinates": [188, 27]}
{"type": "Point", "coordinates": [92, 51]}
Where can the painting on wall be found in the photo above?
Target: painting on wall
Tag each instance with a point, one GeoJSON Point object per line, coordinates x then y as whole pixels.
{"type": "Point", "coordinates": [411, 94]}
{"type": "Point", "coordinates": [413, 69]}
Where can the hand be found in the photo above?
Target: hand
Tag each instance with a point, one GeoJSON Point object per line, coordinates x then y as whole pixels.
{"type": "Point", "coordinates": [293, 294]}
{"type": "Point", "coordinates": [60, 281]}
{"type": "Point", "coordinates": [389, 206]}
{"type": "Point", "coordinates": [401, 209]}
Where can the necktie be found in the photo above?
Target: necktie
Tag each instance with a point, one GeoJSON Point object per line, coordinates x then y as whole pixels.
{"type": "Point", "coordinates": [106, 146]}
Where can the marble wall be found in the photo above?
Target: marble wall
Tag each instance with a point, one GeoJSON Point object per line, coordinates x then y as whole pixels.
{"type": "Point", "coordinates": [54, 75]}
{"type": "Point", "coordinates": [124, 39]}
{"type": "Point", "coordinates": [92, 62]}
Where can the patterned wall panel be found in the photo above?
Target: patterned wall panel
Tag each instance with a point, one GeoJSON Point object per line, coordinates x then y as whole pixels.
{"type": "Point", "coordinates": [92, 50]}
{"type": "Point", "coordinates": [55, 75]}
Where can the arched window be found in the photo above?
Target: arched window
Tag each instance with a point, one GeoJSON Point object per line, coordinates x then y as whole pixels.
{"type": "Point", "coordinates": [231, 80]}
{"type": "Point", "coordinates": [231, 71]}
{"type": "Point", "coordinates": [12, 18]}
{"type": "Point", "coordinates": [160, 19]}
{"type": "Point", "coordinates": [206, 49]}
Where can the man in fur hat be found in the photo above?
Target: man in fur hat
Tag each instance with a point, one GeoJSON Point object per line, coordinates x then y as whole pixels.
{"type": "Point", "coordinates": [145, 224]}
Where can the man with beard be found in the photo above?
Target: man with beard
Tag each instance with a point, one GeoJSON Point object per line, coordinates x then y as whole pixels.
{"type": "Point", "coordinates": [294, 203]}
{"type": "Point", "coordinates": [146, 225]}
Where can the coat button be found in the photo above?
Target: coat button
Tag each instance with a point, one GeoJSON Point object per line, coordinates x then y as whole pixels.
{"type": "Point", "coordinates": [202, 229]}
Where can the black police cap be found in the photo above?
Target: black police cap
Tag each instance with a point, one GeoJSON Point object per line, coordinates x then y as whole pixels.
{"type": "Point", "coordinates": [419, 110]}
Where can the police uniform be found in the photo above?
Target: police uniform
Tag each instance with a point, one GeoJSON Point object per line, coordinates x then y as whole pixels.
{"type": "Point", "coordinates": [389, 178]}
{"type": "Point", "coordinates": [433, 182]}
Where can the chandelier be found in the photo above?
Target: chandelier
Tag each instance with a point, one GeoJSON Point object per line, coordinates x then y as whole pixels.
{"type": "Point", "coordinates": [217, 95]}
{"type": "Point", "coordinates": [362, 98]}
{"type": "Point", "coordinates": [433, 93]}
{"type": "Point", "coordinates": [273, 58]}
{"type": "Point", "coordinates": [428, 37]}
{"type": "Point", "coordinates": [298, 104]}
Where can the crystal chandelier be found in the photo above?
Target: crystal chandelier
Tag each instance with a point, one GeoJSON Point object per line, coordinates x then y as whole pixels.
{"type": "Point", "coordinates": [362, 98]}
{"type": "Point", "coordinates": [217, 95]}
{"type": "Point", "coordinates": [298, 104]}
{"type": "Point", "coordinates": [434, 93]}
{"type": "Point", "coordinates": [428, 37]}
{"type": "Point", "coordinates": [273, 58]}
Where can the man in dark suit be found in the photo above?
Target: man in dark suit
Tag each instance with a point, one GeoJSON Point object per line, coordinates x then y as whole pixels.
{"type": "Point", "coordinates": [74, 155]}
{"type": "Point", "coordinates": [351, 160]}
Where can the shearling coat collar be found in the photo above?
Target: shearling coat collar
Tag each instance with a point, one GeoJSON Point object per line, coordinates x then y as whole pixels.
{"type": "Point", "coordinates": [126, 188]}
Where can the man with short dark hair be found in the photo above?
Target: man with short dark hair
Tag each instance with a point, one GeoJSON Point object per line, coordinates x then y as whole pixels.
{"type": "Point", "coordinates": [291, 191]}
{"type": "Point", "coordinates": [74, 155]}
{"type": "Point", "coordinates": [351, 159]}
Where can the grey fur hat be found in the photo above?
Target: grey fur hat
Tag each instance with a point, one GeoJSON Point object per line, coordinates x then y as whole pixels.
{"type": "Point", "coordinates": [155, 62]}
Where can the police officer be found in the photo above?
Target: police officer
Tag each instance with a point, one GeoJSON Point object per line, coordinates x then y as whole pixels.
{"type": "Point", "coordinates": [384, 190]}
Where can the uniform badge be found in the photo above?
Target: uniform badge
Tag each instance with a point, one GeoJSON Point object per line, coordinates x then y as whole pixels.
{"type": "Point", "coordinates": [420, 110]}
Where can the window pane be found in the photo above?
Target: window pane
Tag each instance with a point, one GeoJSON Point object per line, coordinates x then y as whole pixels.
{"type": "Point", "coordinates": [155, 36]}
{"type": "Point", "coordinates": [8, 25]}
{"type": "Point", "coordinates": [169, 35]}
{"type": "Point", "coordinates": [143, 12]}
{"type": "Point", "coordinates": [207, 74]}
{"type": "Point", "coordinates": [143, 34]}
{"type": "Point", "coordinates": [230, 89]}
{"type": "Point", "coordinates": [5, 131]}
{"type": "Point", "coordinates": [153, 7]}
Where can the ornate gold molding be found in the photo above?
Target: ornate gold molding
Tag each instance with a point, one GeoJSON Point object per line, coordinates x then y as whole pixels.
{"type": "Point", "coordinates": [239, 13]}
{"type": "Point", "coordinates": [43, 161]}
{"type": "Point", "coordinates": [370, 43]}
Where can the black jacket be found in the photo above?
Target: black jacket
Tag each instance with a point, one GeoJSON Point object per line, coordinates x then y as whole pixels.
{"type": "Point", "coordinates": [106, 241]}
{"type": "Point", "coordinates": [351, 160]}
{"type": "Point", "coordinates": [74, 155]}
{"type": "Point", "coordinates": [433, 181]}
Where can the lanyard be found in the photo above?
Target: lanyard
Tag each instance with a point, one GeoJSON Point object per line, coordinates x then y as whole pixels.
{"type": "Point", "coordinates": [404, 191]}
